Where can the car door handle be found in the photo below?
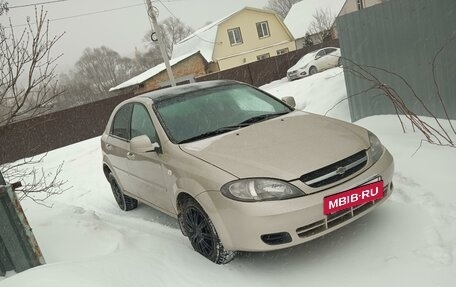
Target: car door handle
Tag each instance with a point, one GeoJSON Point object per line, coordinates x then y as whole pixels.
{"type": "Point", "coordinates": [108, 147]}
{"type": "Point", "coordinates": [130, 156]}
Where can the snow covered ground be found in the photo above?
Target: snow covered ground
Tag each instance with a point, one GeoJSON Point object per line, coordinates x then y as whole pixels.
{"type": "Point", "coordinates": [408, 241]}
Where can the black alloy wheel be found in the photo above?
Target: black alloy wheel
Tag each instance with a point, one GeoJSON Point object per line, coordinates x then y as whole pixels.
{"type": "Point", "coordinates": [199, 232]}
{"type": "Point", "coordinates": [202, 234]}
{"type": "Point", "coordinates": [125, 202]}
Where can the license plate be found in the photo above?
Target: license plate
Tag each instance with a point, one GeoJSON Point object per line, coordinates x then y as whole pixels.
{"type": "Point", "coordinates": [353, 197]}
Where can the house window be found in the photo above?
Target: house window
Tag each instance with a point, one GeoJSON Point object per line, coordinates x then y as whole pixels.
{"type": "Point", "coordinates": [235, 36]}
{"type": "Point", "coordinates": [263, 56]}
{"type": "Point", "coordinates": [263, 29]}
{"type": "Point", "coordinates": [360, 4]}
{"type": "Point", "coordinates": [282, 51]}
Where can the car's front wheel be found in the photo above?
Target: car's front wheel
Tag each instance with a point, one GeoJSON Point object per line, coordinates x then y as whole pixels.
{"type": "Point", "coordinates": [125, 202]}
{"type": "Point", "coordinates": [202, 234]}
{"type": "Point", "coordinates": [313, 70]}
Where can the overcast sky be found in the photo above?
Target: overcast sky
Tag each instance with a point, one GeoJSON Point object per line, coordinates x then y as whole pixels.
{"type": "Point", "coordinates": [121, 29]}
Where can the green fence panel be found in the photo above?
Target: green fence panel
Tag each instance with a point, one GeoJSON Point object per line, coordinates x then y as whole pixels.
{"type": "Point", "coordinates": [18, 247]}
{"type": "Point", "coordinates": [402, 37]}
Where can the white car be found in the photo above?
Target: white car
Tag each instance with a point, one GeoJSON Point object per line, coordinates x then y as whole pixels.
{"type": "Point", "coordinates": [315, 62]}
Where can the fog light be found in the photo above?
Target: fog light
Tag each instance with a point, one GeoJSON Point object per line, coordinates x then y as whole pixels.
{"type": "Point", "coordinates": [276, 238]}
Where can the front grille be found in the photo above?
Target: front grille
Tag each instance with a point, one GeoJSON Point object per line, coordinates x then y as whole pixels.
{"type": "Point", "coordinates": [336, 218]}
{"type": "Point", "coordinates": [336, 171]}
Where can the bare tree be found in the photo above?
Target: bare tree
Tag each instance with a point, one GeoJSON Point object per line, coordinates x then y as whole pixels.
{"type": "Point", "coordinates": [308, 42]}
{"type": "Point", "coordinates": [77, 92]}
{"type": "Point", "coordinates": [101, 69]}
{"type": "Point", "coordinates": [433, 130]}
{"type": "Point", "coordinates": [28, 81]}
{"type": "Point", "coordinates": [39, 184]}
{"type": "Point", "coordinates": [173, 31]}
{"type": "Point", "coordinates": [3, 7]}
{"type": "Point", "coordinates": [322, 25]}
{"type": "Point", "coordinates": [147, 60]}
{"type": "Point", "coordinates": [28, 87]}
{"type": "Point", "coordinates": [281, 7]}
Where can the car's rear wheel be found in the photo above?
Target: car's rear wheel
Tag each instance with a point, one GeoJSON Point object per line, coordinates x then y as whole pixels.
{"type": "Point", "coordinates": [313, 70]}
{"type": "Point", "coordinates": [339, 62]}
{"type": "Point", "coordinates": [125, 202]}
{"type": "Point", "coordinates": [202, 234]}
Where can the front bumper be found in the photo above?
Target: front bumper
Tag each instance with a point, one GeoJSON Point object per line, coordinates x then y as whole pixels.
{"type": "Point", "coordinates": [296, 75]}
{"type": "Point", "coordinates": [241, 225]}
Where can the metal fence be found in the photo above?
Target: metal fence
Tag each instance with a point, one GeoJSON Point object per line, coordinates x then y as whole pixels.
{"type": "Point", "coordinates": [50, 131]}
{"type": "Point", "coordinates": [18, 247]}
{"type": "Point", "coordinates": [267, 70]}
{"type": "Point", "coordinates": [402, 37]}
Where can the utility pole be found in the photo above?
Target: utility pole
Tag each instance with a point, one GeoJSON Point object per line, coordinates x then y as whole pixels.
{"type": "Point", "coordinates": [161, 43]}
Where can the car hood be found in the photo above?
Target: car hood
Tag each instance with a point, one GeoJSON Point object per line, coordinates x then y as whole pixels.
{"type": "Point", "coordinates": [285, 147]}
{"type": "Point", "coordinates": [302, 62]}
{"type": "Point", "coordinates": [298, 66]}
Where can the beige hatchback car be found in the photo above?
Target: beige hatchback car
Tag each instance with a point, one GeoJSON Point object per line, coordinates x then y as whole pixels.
{"type": "Point", "coordinates": [241, 170]}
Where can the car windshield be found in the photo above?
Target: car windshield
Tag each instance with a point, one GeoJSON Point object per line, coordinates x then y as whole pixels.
{"type": "Point", "coordinates": [205, 113]}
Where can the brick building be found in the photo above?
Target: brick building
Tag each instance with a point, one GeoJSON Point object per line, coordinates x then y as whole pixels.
{"type": "Point", "coordinates": [185, 69]}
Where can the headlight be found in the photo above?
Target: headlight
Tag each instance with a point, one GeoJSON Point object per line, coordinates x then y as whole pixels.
{"type": "Point", "coordinates": [376, 148]}
{"type": "Point", "coordinates": [258, 189]}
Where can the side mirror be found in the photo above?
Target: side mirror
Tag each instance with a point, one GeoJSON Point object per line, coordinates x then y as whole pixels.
{"type": "Point", "coordinates": [142, 144]}
{"type": "Point", "coordinates": [289, 101]}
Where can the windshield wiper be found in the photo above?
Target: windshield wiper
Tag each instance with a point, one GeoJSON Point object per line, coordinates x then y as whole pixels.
{"type": "Point", "coordinates": [260, 118]}
{"type": "Point", "coordinates": [233, 127]}
{"type": "Point", "coordinates": [213, 133]}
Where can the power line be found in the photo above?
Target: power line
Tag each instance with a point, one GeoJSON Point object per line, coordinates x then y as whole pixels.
{"type": "Point", "coordinates": [172, 14]}
{"type": "Point", "coordinates": [35, 4]}
{"type": "Point", "coordinates": [97, 12]}
{"type": "Point", "coordinates": [86, 14]}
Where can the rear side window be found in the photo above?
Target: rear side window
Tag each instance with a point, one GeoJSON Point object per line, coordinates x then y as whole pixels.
{"type": "Point", "coordinates": [141, 123]}
{"type": "Point", "coordinates": [121, 122]}
{"type": "Point", "coordinates": [329, 50]}
{"type": "Point", "coordinates": [320, 54]}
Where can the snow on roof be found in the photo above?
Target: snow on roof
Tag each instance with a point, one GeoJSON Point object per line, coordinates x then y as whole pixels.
{"type": "Point", "coordinates": [150, 73]}
{"type": "Point", "coordinates": [301, 14]}
{"type": "Point", "coordinates": [202, 40]}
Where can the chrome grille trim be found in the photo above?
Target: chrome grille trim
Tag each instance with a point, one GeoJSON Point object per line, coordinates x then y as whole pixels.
{"type": "Point", "coordinates": [337, 218]}
{"type": "Point", "coordinates": [336, 171]}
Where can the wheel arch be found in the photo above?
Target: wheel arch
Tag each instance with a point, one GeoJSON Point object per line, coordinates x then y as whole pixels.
{"type": "Point", "coordinates": [181, 198]}
{"type": "Point", "coordinates": [106, 170]}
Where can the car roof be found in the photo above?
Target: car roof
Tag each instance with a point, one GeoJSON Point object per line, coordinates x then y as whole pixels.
{"type": "Point", "coordinates": [168, 93]}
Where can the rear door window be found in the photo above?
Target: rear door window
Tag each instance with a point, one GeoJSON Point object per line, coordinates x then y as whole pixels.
{"type": "Point", "coordinates": [329, 50]}
{"type": "Point", "coordinates": [121, 122]}
{"type": "Point", "coordinates": [320, 54]}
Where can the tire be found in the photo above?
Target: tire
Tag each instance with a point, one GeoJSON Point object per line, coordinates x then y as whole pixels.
{"type": "Point", "coordinates": [339, 62]}
{"type": "Point", "coordinates": [202, 234]}
{"type": "Point", "coordinates": [125, 202]}
{"type": "Point", "coordinates": [313, 70]}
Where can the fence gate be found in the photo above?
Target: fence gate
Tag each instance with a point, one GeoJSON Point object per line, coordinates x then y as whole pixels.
{"type": "Point", "coordinates": [18, 247]}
